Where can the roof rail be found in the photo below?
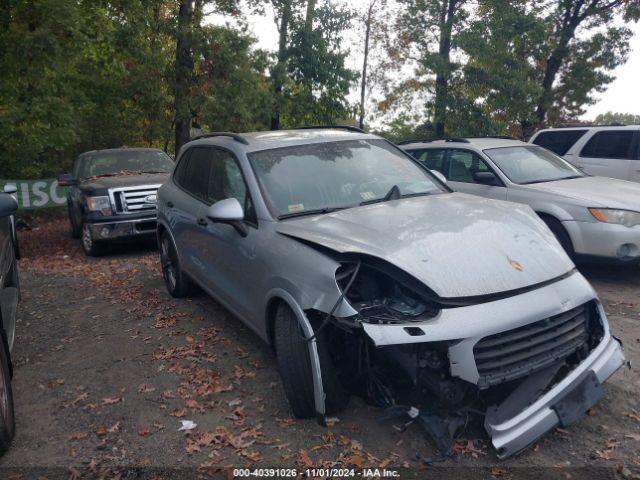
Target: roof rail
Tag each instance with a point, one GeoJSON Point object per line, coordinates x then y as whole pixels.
{"type": "Point", "coordinates": [235, 136]}
{"type": "Point", "coordinates": [435, 139]}
{"type": "Point", "coordinates": [587, 125]}
{"type": "Point", "coordinates": [340, 127]}
{"type": "Point", "coordinates": [502, 137]}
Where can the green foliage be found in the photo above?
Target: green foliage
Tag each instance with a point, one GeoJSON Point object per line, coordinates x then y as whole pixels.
{"type": "Point", "coordinates": [615, 117]}
{"type": "Point", "coordinates": [233, 91]}
{"type": "Point", "coordinates": [317, 80]}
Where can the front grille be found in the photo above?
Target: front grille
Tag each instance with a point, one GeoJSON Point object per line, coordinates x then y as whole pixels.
{"type": "Point", "coordinates": [515, 353]}
{"type": "Point", "coordinates": [134, 199]}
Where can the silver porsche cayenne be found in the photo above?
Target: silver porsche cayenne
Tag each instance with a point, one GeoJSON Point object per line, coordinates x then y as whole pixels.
{"type": "Point", "coordinates": [370, 277]}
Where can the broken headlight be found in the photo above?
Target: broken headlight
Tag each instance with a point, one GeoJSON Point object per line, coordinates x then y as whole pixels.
{"type": "Point", "coordinates": [378, 297]}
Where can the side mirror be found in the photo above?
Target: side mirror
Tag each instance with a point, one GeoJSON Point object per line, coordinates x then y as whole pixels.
{"type": "Point", "coordinates": [10, 189]}
{"type": "Point", "coordinates": [439, 175]}
{"type": "Point", "coordinates": [8, 205]}
{"type": "Point", "coordinates": [67, 180]}
{"type": "Point", "coordinates": [486, 178]}
{"type": "Point", "coordinates": [228, 211]}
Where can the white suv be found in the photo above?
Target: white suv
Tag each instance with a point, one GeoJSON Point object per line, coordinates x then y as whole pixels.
{"type": "Point", "coordinates": [606, 151]}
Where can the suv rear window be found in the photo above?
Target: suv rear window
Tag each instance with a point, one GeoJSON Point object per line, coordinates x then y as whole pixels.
{"type": "Point", "coordinates": [559, 142]}
{"type": "Point", "coordinates": [610, 144]}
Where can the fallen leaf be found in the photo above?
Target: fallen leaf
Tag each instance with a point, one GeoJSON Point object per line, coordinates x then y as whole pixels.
{"type": "Point", "coordinates": [111, 401]}
{"type": "Point", "coordinates": [304, 459]}
{"type": "Point", "coordinates": [101, 431]}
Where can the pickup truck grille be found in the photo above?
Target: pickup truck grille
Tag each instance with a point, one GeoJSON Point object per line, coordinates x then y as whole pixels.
{"type": "Point", "coordinates": [128, 200]}
{"type": "Point", "coordinates": [515, 353]}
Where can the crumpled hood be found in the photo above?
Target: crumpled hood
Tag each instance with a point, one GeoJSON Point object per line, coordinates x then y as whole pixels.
{"type": "Point", "coordinates": [596, 191]}
{"type": "Point", "coordinates": [456, 244]}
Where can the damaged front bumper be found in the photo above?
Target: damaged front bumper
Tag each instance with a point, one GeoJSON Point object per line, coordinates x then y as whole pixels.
{"type": "Point", "coordinates": [536, 412]}
{"type": "Point", "coordinates": [515, 434]}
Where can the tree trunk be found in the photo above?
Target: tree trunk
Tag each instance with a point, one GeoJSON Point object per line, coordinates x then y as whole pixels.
{"type": "Point", "coordinates": [443, 72]}
{"type": "Point", "coordinates": [183, 74]}
{"type": "Point", "coordinates": [279, 69]}
{"type": "Point", "coordinates": [363, 83]}
{"type": "Point", "coordinates": [571, 19]}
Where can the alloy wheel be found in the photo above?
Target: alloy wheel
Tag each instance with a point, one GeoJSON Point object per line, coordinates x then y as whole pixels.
{"type": "Point", "coordinates": [168, 267]}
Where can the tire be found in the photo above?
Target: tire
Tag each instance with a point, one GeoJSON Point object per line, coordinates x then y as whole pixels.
{"type": "Point", "coordinates": [294, 364]}
{"type": "Point", "coordinates": [74, 229]}
{"type": "Point", "coordinates": [7, 415]}
{"type": "Point", "coordinates": [177, 283]}
{"type": "Point", "coordinates": [561, 234]}
{"type": "Point", "coordinates": [89, 245]}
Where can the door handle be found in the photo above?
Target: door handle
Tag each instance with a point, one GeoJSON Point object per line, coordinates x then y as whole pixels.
{"type": "Point", "coordinates": [170, 204]}
{"type": "Point", "coordinates": [202, 222]}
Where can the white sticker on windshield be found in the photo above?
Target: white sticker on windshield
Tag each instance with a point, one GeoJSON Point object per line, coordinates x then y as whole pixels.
{"type": "Point", "coordinates": [367, 195]}
{"type": "Point", "coordinates": [297, 207]}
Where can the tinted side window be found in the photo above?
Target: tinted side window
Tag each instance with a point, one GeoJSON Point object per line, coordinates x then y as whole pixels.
{"type": "Point", "coordinates": [609, 144]}
{"type": "Point", "coordinates": [431, 158]}
{"type": "Point", "coordinates": [559, 142]}
{"type": "Point", "coordinates": [463, 164]}
{"type": "Point", "coordinates": [193, 174]}
{"type": "Point", "coordinates": [226, 181]}
{"type": "Point", "coordinates": [178, 173]}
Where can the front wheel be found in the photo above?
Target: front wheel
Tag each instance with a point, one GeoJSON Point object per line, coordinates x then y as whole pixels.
{"type": "Point", "coordinates": [89, 245]}
{"type": "Point", "coordinates": [176, 281]}
{"type": "Point", "coordinates": [294, 363]}
{"type": "Point", "coordinates": [7, 418]}
{"type": "Point", "coordinates": [561, 234]}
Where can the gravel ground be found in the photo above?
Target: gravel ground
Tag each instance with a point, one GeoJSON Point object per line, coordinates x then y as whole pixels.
{"type": "Point", "coordinates": [107, 366]}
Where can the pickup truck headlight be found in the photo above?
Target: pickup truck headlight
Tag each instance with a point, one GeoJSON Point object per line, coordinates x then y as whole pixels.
{"type": "Point", "coordinates": [99, 204]}
{"type": "Point", "coordinates": [627, 218]}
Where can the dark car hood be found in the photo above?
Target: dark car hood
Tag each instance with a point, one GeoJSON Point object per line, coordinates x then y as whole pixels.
{"type": "Point", "coordinates": [102, 184]}
{"type": "Point", "coordinates": [458, 245]}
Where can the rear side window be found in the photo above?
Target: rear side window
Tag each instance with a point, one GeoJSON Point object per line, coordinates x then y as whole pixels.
{"type": "Point", "coordinates": [559, 142]}
{"type": "Point", "coordinates": [192, 173]}
{"type": "Point", "coordinates": [463, 165]}
{"type": "Point", "coordinates": [431, 158]}
{"type": "Point", "coordinates": [610, 144]}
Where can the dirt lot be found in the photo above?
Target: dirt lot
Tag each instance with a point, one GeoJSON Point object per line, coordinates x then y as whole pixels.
{"type": "Point", "coordinates": [107, 365]}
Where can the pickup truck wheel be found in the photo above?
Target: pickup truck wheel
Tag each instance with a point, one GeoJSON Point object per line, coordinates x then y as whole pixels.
{"type": "Point", "coordinates": [7, 418]}
{"type": "Point", "coordinates": [294, 364]}
{"type": "Point", "coordinates": [176, 281]}
{"type": "Point", "coordinates": [89, 245]}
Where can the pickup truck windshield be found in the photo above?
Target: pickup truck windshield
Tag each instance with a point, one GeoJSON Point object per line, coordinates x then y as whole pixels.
{"type": "Point", "coordinates": [322, 177]}
{"type": "Point", "coordinates": [531, 164]}
{"type": "Point", "coordinates": [121, 162]}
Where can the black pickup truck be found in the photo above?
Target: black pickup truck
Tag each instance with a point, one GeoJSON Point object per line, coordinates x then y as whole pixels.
{"type": "Point", "coordinates": [9, 297]}
{"type": "Point", "coordinates": [112, 194]}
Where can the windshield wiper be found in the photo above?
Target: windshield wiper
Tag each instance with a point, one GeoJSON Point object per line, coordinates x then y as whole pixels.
{"type": "Point", "coordinates": [392, 194]}
{"type": "Point", "coordinates": [315, 211]}
{"type": "Point", "coordinates": [547, 180]}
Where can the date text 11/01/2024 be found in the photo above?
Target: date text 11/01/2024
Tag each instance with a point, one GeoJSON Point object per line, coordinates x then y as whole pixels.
{"type": "Point", "coordinates": [315, 472]}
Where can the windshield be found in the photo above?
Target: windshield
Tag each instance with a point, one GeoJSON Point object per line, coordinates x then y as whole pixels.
{"type": "Point", "coordinates": [124, 162]}
{"type": "Point", "coordinates": [531, 164]}
{"type": "Point", "coordinates": [305, 178]}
